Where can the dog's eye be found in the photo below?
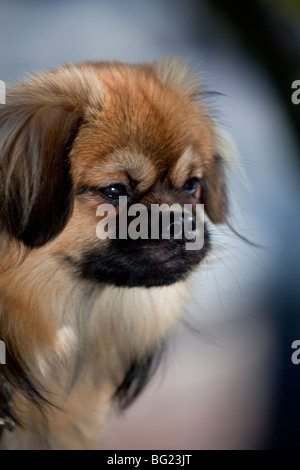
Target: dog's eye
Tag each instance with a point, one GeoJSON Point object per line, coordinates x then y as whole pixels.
{"type": "Point", "coordinates": [114, 191]}
{"type": "Point", "coordinates": [192, 185]}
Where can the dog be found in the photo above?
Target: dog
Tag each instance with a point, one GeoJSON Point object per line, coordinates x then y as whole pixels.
{"type": "Point", "coordinates": [85, 321]}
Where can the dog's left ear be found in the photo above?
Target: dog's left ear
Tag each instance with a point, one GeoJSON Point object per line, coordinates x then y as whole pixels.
{"type": "Point", "coordinates": [36, 191]}
{"type": "Point", "coordinates": [215, 191]}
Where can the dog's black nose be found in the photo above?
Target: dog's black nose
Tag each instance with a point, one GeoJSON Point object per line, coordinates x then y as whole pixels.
{"type": "Point", "coordinates": [180, 227]}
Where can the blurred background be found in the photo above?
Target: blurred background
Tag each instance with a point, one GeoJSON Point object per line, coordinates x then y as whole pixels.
{"type": "Point", "coordinates": [227, 381]}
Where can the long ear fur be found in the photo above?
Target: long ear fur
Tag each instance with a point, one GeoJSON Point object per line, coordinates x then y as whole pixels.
{"type": "Point", "coordinates": [214, 196]}
{"type": "Point", "coordinates": [35, 182]}
{"type": "Point", "coordinates": [215, 192]}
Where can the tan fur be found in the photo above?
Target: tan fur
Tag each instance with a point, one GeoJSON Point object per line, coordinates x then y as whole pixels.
{"type": "Point", "coordinates": [143, 120]}
{"type": "Point", "coordinates": [121, 324]}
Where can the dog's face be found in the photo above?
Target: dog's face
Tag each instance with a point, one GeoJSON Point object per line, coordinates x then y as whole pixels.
{"type": "Point", "coordinates": [85, 135]}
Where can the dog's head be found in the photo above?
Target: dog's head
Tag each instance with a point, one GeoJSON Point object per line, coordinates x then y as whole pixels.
{"type": "Point", "coordinates": [84, 135]}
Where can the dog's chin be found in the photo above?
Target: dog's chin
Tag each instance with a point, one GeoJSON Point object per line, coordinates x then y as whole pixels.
{"type": "Point", "coordinates": [148, 264]}
{"type": "Point", "coordinates": [141, 274]}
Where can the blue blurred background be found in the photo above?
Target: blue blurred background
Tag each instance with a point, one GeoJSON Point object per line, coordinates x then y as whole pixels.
{"type": "Point", "coordinates": [228, 381]}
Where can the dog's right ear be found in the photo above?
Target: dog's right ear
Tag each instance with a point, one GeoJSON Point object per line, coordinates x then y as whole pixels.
{"type": "Point", "coordinates": [36, 191]}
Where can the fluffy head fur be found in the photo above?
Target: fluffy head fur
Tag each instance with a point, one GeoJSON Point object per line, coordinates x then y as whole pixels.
{"type": "Point", "coordinates": [83, 319]}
